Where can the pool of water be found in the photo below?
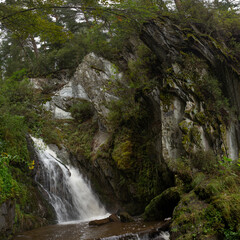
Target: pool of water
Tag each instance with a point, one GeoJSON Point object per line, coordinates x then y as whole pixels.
{"type": "Point", "coordinates": [82, 231]}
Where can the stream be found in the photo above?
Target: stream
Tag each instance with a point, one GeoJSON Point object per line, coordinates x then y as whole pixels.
{"type": "Point", "coordinates": [75, 204]}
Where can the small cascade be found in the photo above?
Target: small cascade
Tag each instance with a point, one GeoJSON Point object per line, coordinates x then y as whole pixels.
{"type": "Point", "coordinates": [67, 191]}
{"type": "Point", "coordinates": [139, 236]}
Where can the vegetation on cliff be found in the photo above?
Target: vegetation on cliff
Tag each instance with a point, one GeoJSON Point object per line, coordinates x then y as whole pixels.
{"type": "Point", "coordinates": [20, 112]}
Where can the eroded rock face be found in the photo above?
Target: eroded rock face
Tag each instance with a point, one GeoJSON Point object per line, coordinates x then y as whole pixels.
{"type": "Point", "coordinates": [98, 77]}
{"type": "Point", "coordinates": [94, 80]}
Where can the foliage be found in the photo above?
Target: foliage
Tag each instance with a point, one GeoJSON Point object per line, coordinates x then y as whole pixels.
{"type": "Point", "coordinates": [104, 28]}
{"type": "Point", "coordinates": [82, 111]}
{"type": "Point", "coordinates": [28, 18]}
{"type": "Point", "coordinates": [79, 137]}
{"type": "Point", "coordinates": [231, 235]}
{"type": "Point", "coordinates": [18, 115]}
{"type": "Point", "coordinates": [217, 192]}
{"type": "Point", "coordinates": [21, 114]}
{"type": "Point", "coordinates": [9, 187]}
{"type": "Point", "coordinates": [142, 71]}
{"type": "Point", "coordinates": [204, 161]}
{"type": "Point", "coordinates": [122, 112]}
{"type": "Point", "coordinates": [17, 105]}
{"type": "Point", "coordinates": [46, 36]}
{"type": "Point", "coordinates": [43, 45]}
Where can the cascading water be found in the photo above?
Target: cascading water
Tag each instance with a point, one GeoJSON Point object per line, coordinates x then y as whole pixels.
{"type": "Point", "coordinates": [68, 193]}
{"type": "Point", "coordinates": [75, 204]}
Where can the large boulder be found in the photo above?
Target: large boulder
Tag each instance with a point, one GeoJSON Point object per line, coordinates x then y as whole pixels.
{"type": "Point", "coordinates": [162, 206]}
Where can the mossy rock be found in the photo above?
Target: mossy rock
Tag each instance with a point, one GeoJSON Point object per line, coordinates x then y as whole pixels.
{"type": "Point", "coordinates": [229, 207]}
{"type": "Point", "coordinates": [163, 205]}
{"type": "Point", "coordinates": [211, 210]}
{"type": "Point", "coordinates": [190, 219]}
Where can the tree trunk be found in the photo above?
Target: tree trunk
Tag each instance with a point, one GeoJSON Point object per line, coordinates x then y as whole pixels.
{"type": "Point", "coordinates": [35, 49]}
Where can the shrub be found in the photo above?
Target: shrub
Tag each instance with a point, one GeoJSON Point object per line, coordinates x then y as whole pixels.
{"type": "Point", "coordinates": [8, 186]}
{"type": "Point", "coordinates": [204, 160]}
{"type": "Point", "coordinates": [82, 111]}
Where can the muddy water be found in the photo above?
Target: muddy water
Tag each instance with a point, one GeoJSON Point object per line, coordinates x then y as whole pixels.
{"type": "Point", "coordinates": [82, 231]}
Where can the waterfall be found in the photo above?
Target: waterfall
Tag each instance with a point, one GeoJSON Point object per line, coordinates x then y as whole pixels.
{"type": "Point", "coordinates": [69, 194]}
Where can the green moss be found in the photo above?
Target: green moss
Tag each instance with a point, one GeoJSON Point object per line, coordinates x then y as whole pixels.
{"type": "Point", "coordinates": [186, 138]}
{"type": "Point", "coordinates": [198, 179]}
{"type": "Point", "coordinates": [189, 217]}
{"type": "Point", "coordinates": [229, 206]}
{"type": "Point", "coordinates": [195, 219]}
{"type": "Point", "coordinates": [162, 206]}
{"type": "Point", "coordinates": [214, 219]}
{"type": "Point", "coordinates": [191, 137]}
{"type": "Point", "coordinates": [192, 36]}
{"type": "Point", "coordinates": [123, 153]}
{"type": "Point", "coordinates": [219, 195]}
{"type": "Point", "coordinates": [201, 118]}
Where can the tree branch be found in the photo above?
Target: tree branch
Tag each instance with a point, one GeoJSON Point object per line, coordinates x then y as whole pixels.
{"type": "Point", "coordinates": [118, 12]}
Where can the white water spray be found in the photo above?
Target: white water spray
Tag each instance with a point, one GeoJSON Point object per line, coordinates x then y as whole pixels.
{"type": "Point", "coordinates": [139, 236]}
{"type": "Point", "coordinates": [68, 193]}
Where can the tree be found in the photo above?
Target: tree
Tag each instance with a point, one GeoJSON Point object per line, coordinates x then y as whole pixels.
{"type": "Point", "coordinates": [41, 31]}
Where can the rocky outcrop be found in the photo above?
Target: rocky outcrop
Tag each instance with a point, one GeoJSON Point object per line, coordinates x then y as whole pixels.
{"type": "Point", "coordinates": [169, 42]}
{"type": "Point", "coordinates": [100, 80]}
{"type": "Point", "coordinates": [36, 212]}
{"type": "Point", "coordinates": [95, 80]}
{"type": "Point", "coordinates": [63, 99]}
